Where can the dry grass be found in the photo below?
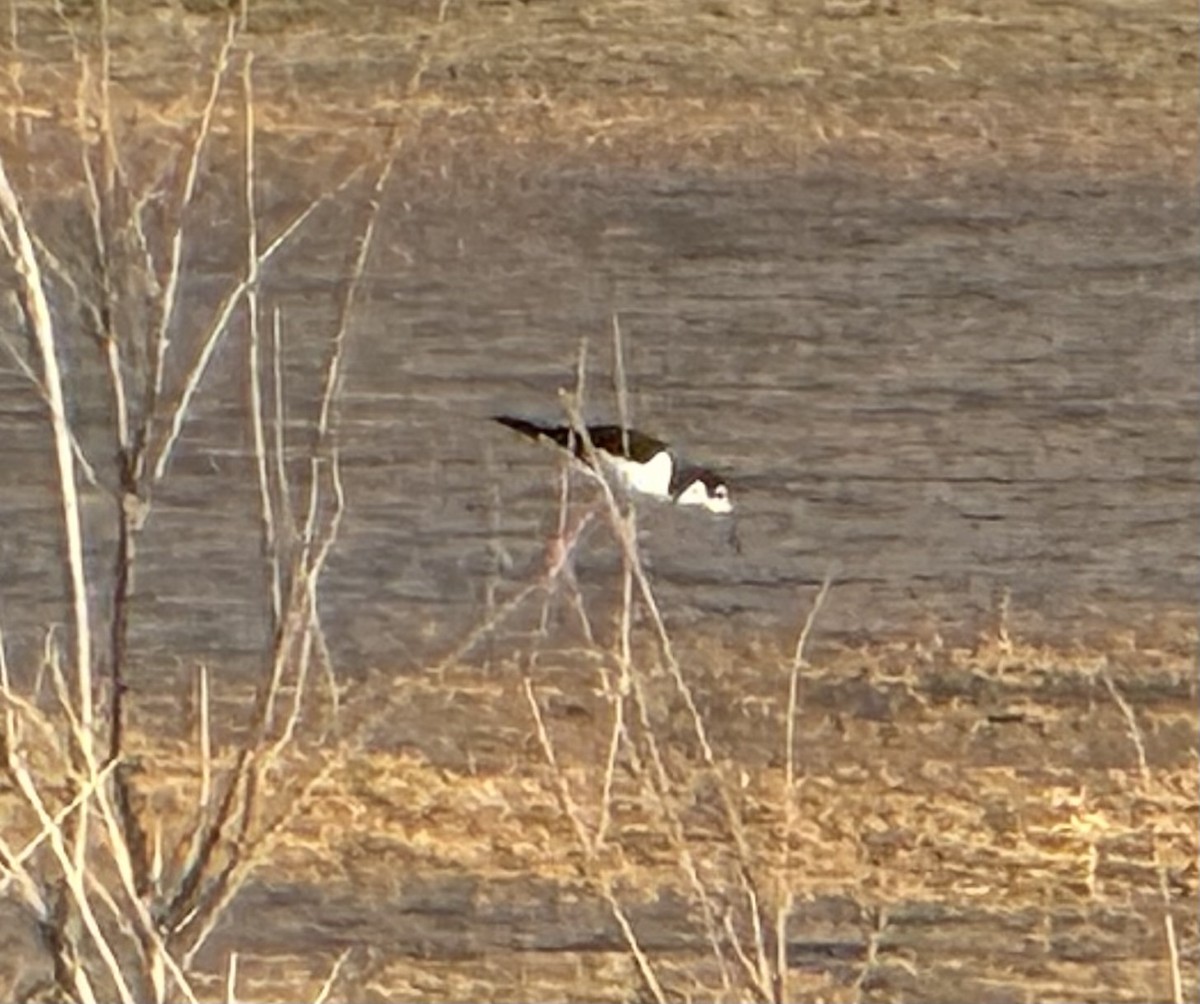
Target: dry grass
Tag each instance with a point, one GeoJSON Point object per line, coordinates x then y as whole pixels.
{"type": "Point", "coordinates": [912, 86]}
{"type": "Point", "coordinates": [970, 828]}
{"type": "Point", "coordinates": [1001, 851]}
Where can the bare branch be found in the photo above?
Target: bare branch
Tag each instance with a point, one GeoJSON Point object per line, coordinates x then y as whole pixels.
{"type": "Point", "coordinates": [1139, 746]}
{"type": "Point", "coordinates": [191, 382]}
{"type": "Point", "coordinates": [162, 336]}
{"type": "Point", "coordinates": [75, 877]}
{"type": "Point", "coordinates": [16, 239]}
{"type": "Point", "coordinates": [85, 468]}
{"type": "Point", "coordinates": [327, 987]}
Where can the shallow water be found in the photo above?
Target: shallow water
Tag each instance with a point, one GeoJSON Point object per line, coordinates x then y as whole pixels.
{"type": "Point", "coordinates": [940, 392]}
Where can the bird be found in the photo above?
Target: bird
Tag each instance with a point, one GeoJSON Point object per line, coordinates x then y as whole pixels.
{"type": "Point", "coordinates": [642, 463]}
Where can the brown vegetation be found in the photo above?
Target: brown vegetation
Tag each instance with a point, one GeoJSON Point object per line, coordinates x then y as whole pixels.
{"type": "Point", "coordinates": [911, 85]}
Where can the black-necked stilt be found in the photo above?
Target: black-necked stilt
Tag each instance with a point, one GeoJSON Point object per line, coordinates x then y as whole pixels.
{"type": "Point", "coordinates": [642, 463]}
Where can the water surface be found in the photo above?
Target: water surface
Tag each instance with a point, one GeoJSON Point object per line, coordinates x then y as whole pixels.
{"type": "Point", "coordinates": [941, 391]}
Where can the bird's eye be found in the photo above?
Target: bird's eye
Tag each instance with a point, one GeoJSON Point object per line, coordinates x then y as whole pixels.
{"type": "Point", "coordinates": [721, 492]}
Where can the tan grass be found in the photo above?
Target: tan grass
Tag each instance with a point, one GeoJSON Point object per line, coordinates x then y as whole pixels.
{"type": "Point", "coordinates": [904, 87]}
{"type": "Point", "coordinates": [918, 824]}
{"type": "Point", "coordinates": [891, 813]}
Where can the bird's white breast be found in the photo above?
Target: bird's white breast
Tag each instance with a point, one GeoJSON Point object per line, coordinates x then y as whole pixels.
{"type": "Point", "coordinates": [651, 478]}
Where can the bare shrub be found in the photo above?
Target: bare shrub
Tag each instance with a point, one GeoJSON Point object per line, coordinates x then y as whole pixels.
{"type": "Point", "coordinates": [123, 894]}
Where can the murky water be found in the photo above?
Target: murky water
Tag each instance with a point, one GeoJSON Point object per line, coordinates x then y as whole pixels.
{"type": "Point", "coordinates": [941, 391]}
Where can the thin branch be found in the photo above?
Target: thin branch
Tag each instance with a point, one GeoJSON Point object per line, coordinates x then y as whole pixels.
{"type": "Point", "coordinates": [27, 888]}
{"type": "Point", "coordinates": [14, 863]}
{"type": "Point", "coordinates": [1139, 745]}
{"type": "Point", "coordinates": [16, 239]}
{"type": "Point", "coordinates": [162, 336]}
{"type": "Point", "coordinates": [879, 921]}
{"type": "Point", "coordinates": [333, 369]}
{"type": "Point", "coordinates": [86, 469]}
{"type": "Point", "coordinates": [278, 421]}
{"type": "Point", "coordinates": [786, 897]}
{"type": "Point", "coordinates": [191, 906]}
{"type": "Point", "coordinates": [587, 845]}
{"type": "Point", "coordinates": [86, 790]}
{"type": "Point", "coordinates": [191, 382]}
{"type": "Point", "coordinates": [270, 533]}
{"type": "Point", "coordinates": [247, 854]}
{"type": "Point", "coordinates": [752, 974]}
{"type": "Point", "coordinates": [127, 849]}
{"type": "Point", "coordinates": [231, 978]}
{"type": "Point", "coordinates": [327, 987]}
{"type": "Point", "coordinates": [204, 739]}
{"type": "Point", "coordinates": [624, 534]}
{"type": "Point", "coordinates": [74, 876]}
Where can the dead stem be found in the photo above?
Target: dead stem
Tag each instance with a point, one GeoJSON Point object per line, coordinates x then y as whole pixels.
{"type": "Point", "coordinates": [231, 967]}
{"type": "Point", "coordinates": [878, 924]}
{"type": "Point", "coordinates": [269, 530]}
{"type": "Point", "coordinates": [785, 898]}
{"type": "Point", "coordinates": [246, 855]}
{"type": "Point", "coordinates": [161, 341]}
{"type": "Point", "coordinates": [330, 980]}
{"type": "Point", "coordinates": [191, 382]}
{"type": "Point", "coordinates": [622, 390]}
{"type": "Point", "coordinates": [593, 869]}
{"type": "Point", "coordinates": [204, 741]}
{"type": "Point", "coordinates": [74, 877]}
{"type": "Point", "coordinates": [298, 633]}
{"type": "Point", "coordinates": [1139, 745]}
{"type": "Point", "coordinates": [15, 236]}
{"type": "Point", "coordinates": [127, 850]}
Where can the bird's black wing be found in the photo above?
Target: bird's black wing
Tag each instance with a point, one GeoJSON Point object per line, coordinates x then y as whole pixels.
{"type": "Point", "coordinates": [612, 439]}
{"type": "Point", "coordinates": [607, 438]}
{"type": "Point", "coordinates": [559, 434]}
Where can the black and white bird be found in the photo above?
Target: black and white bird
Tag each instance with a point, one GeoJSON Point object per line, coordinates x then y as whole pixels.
{"type": "Point", "coordinates": [642, 463]}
